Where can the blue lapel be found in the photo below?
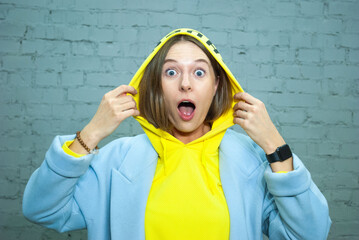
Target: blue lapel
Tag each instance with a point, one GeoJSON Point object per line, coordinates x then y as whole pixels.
{"type": "Point", "coordinates": [130, 187]}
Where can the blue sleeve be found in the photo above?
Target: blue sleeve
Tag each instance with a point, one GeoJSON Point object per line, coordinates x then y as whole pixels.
{"type": "Point", "coordinates": [49, 195]}
{"type": "Point", "coordinates": [294, 208]}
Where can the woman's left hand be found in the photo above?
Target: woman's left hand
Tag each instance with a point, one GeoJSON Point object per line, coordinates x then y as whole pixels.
{"type": "Point", "coordinates": [251, 114]}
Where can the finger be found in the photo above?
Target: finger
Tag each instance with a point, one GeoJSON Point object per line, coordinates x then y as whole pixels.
{"type": "Point", "coordinates": [241, 105]}
{"type": "Point", "coordinates": [246, 97]}
{"type": "Point", "coordinates": [124, 99]}
{"type": "Point", "coordinates": [240, 114]}
{"type": "Point", "coordinates": [121, 90]}
{"type": "Point", "coordinates": [239, 121]}
{"type": "Point", "coordinates": [130, 112]}
{"type": "Point", "coordinates": [126, 106]}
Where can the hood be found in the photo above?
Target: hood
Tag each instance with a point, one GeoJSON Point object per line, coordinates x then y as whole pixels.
{"type": "Point", "coordinates": [219, 126]}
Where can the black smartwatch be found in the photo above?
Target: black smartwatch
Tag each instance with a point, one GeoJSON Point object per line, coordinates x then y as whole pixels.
{"type": "Point", "coordinates": [281, 154]}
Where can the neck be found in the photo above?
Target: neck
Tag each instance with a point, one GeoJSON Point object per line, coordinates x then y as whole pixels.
{"type": "Point", "coordinates": [187, 137]}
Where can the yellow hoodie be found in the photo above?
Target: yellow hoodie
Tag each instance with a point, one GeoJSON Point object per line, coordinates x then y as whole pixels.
{"type": "Point", "coordinates": [186, 199]}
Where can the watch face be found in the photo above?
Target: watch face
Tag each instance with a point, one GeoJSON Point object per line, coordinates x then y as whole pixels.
{"type": "Point", "coordinates": [284, 152]}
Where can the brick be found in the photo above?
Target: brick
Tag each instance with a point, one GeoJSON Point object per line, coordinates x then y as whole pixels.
{"type": "Point", "coordinates": [126, 35]}
{"type": "Point", "coordinates": [325, 40]}
{"type": "Point", "coordinates": [292, 116]}
{"type": "Point", "coordinates": [246, 39]}
{"type": "Point", "coordinates": [333, 54]}
{"type": "Point", "coordinates": [159, 5]}
{"type": "Point", "coordinates": [20, 78]}
{"type": "Point", "coordinates": [73, 17]}
{"type": "Point", "coordinates": [273, 39]}
{"type": "Point", "coordinates": [266, 85]}
{"type": "Point", "coordinates": [301, 40]}
{"type": "Point", "coordinates": [265, 23]}
{"type": "Point", "coordinates": [311, 8]}
{"type": "Point", "coordinates": [72, 78]}
{"type": "Point", "coordinates": [101, 35]}
{"type": "Point", "coordinates": [283, 54]}
{"type": "Point", "coordinates": [354, 56]}
{"type": "Point", "coordinates": [85, 94]}
{"type": "Point", "coordinates": [330, 116]}
{"type": "Point", "coordinates": [45, 47]}
{"type": "Point", "coordinates": [48, 32]}
{"type": "Point", "coordinates": [339, 102]}
{"type": "Point", "coordinates": [341, 71]}
{"type": "Point", "coordinates": [300, 86]}
{"type": "Point", "coordinates": [260, 55]}
{"type": "Point", "coordinates": [356, 118]}
{"type": "Point", "coordinates": [49, 63]}
{"type": "Point", "coordinates": [83, 48]}
{"type": "Point", "coordinates": [348, 9]}
{"type": "Point", "coordinates": [352, 26]}
{"type": "Point", "coordinates": [9, 46]}
{"type": "Point", "coordinates": [327, 149]}
{"type": "Point", "coordinates": [109, 49]}
{"type": "Point", "coordinates": [46, 78]}
{"type": "Point", "coordinates": [18, 62]}
{"type": "Point", "coordinates": [123, 19]}
{"type": "Point", "coordinates": [309, 55]}
{"type": "Point", "coordinates": [123, 64]}
{"type": "Point", "coordinates": [104, 79]}
{"type": "Point", "coordinates": [12, 30]}
{"type": "Point", "coordinates": [76, 63]}
{"type": "Point", "coordinates": [283, 9]}
{"type": "Point", "coordinates": [226, 22]}
{"type": "Point", "coordinates": [321, 26]}
{"type": "Point", "coordinates": [344, 134]}
{"type": "Point", "coordinates": [53, 95]}
{"type": "Point", "coordinates": [350, 40]}
{"type": "Point", "coordinates": [42, 110]}
{"type": "Point", "coordinates": [295, 100]}
{"type": "Point", "coordinates": [190, 6]}
{"type": "Point", "coordinates": [350, 150]}
{"type": "Point", "coordinates": [9, 189]}
{"type": "Point", "coordinates": [309, 133]}
{"type": "Point", "coordinates": [77, 33]}
{"type": "Point", "coordinates": [310, 72]}
{"type": "Point", "coordinates": [12, 110]}
{"type": "Point", "coordinates": [27, 15]}
{"type": "Point", "coordinates": [288, 71]}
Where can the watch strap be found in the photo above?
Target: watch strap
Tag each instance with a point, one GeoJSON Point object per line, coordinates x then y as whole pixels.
{"type": "Point", "coordinates": [281, 154]}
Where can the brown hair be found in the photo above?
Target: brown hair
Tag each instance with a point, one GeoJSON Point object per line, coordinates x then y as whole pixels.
{"type": "Point", "coordinates": [151, 102]}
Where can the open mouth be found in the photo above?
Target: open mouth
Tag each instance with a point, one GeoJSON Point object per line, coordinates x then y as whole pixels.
{"type": "Point", "coordinates": [186, 109]}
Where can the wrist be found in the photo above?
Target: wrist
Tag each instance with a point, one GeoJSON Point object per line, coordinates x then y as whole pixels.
{"type": "Point", "coordinates": [272, 144]}
{"type": "Point", "coordinates": [90, 137]}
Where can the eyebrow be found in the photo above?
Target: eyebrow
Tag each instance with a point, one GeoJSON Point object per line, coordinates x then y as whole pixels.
{"type": "Point", "coordinates": [197, 60]}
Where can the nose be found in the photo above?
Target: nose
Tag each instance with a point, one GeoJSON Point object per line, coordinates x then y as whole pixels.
{"type": "Point", "coordinates": [186, 83]}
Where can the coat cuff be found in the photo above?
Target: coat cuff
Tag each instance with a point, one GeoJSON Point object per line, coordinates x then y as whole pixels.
{"type": "Point", "coordinates": [64, 164]}
{"type": "Point", "coordinates": [288, 184]}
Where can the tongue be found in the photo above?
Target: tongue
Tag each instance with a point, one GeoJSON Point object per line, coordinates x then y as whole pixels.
{"type": "Point", "coordinates": [186, 110]}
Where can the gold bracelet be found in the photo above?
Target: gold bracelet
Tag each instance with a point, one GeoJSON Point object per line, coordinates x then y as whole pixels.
{"type": "Point", "coordinates": [78, 137]}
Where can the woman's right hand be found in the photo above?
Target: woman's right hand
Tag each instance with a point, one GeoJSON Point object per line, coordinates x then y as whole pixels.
{"type": "Point", "coordinates": [115, 107]}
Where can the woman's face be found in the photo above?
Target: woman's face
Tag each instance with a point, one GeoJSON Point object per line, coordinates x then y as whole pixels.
{"type": "Point", "coordinates": [189, 85]}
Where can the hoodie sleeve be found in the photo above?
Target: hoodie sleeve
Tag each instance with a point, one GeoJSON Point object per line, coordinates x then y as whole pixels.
{"type": "Point", "coordinates": [294, 208]}
{"type": "Point", "coordinates": [49, 195]}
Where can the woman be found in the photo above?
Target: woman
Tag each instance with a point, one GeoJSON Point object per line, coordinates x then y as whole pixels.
{"type": "Point", "coordinates": [189, 176]}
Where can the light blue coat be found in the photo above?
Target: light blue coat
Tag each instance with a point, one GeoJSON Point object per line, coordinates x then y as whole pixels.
{"type": "Point", "coordinates": [107, 193]}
